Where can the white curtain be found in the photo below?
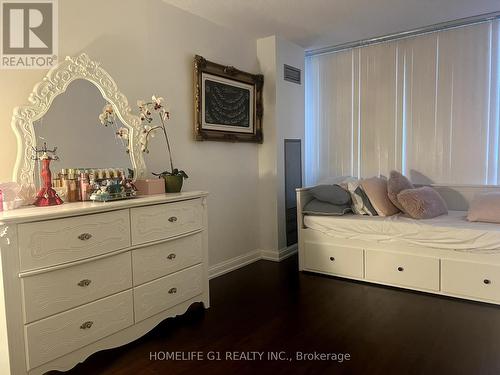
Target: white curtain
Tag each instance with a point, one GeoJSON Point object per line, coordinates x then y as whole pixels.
{"type": "Point", "coordinates": [451, 96]}
{"type": "Point", "coordinates": [329, 96]}
{"type": "Point", "coordinates": [426, 105]}
{"type": "Point", "coordinates": [379, 128]}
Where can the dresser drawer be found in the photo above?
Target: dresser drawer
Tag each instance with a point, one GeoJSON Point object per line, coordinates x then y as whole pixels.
{"type": "Point", "coordinates": [161, 294]}
{"type": "Point", "coordinates": [52, 292]}
{"type": "Point", "coordinates": [337, 260]}
{"type": "Point", "coordinates": [155, 261]}
{"type": "Point", "coordinates": [47, 243]}
{"type": "Point", "coordinates": [162, 221]}
{"type": "Point", "coordinates": [60, 334]}
{"type": "Point", "coordinates": [402, 269]}
{"type": "Point", "coordinates": [474, 280]}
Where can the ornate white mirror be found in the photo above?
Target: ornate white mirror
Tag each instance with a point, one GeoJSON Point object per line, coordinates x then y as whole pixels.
{"type": "Point", "coordinates": [64, 112]}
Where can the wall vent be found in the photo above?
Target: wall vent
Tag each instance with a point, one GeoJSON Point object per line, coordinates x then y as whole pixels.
{"type": "Point", "coordinates": [291, 74]}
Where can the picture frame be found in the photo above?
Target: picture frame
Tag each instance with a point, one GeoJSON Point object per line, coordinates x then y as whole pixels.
{"type": "Point", "coordinates": [227, 103]}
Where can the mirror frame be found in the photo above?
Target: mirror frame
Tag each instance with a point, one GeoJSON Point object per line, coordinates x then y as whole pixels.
{"type": "Point", "coordinates": [54, 84]}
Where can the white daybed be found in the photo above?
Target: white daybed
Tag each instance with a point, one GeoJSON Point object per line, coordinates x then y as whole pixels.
{"type": "Point", "coordinates": [446, 255]}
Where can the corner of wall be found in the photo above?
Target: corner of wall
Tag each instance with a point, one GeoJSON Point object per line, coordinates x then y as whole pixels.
{"type": "Point", "coordinates": [283, 118]}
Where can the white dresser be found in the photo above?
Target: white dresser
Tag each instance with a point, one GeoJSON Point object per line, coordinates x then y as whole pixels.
{"type": "Point", "coordinates": [83, 277]}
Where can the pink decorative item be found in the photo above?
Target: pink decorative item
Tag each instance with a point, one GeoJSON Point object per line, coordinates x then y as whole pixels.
{"type": "Point", "coordinates": [395, 185]}
{"type": "Point", "coordinates": [1, 200]}
{"type": "Point", "coordinates": [47, 196]}
{"type": "Point", "coordinates": [422, 203]}
{"type": "Point", "coordinates": [150, 186]}
{"type": "Point", "coordinates": [485, 207]}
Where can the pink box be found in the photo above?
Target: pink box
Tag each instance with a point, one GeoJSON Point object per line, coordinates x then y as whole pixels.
{"type": "Point", "coordinates": [150, 186]}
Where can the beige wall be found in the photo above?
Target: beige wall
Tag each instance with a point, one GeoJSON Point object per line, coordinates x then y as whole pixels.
{"type": "Point", "coordinates": [147, 46]}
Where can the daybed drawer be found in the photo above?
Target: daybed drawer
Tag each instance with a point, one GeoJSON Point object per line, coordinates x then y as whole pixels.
{"type": "Point", "coordinates": [474, 280]}
{"type": "Point", "coordinates": [161, 294]}
{"type": "Point", "coordinates": [152, 223]}
{"type": "Point", "coordinates": [162, 259]}
{"type": "Point", "coordinates": [52, 292]}
{"type": "Point", "coordinates": [338, 260]}
{"type": "Point", "coordinates": [402, 269]}
{"type": "Point", "coordinates": [52, 242]}
{"type": "Point", "coordinates": [60, 334]}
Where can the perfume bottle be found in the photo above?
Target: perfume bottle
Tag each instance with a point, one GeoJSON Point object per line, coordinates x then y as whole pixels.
{"type": "Point", "coordinates": [84, 186]}
{"type": "Point", "coordinates": [72, 187]}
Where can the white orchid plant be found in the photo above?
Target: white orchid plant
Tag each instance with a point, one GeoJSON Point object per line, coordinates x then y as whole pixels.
{"type": "Point", "coordinates": [146, 112]}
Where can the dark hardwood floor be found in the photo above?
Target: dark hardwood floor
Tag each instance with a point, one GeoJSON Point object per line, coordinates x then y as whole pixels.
{"type": "Point", "coordinates": [272, 307]}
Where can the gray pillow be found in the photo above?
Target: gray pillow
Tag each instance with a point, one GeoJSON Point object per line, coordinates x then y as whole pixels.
{"type": "Point", "coordinates": [317, 207]}
{"type": "Point", "coordinates": [333, 194]}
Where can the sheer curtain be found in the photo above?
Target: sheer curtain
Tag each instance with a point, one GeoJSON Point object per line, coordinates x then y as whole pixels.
{"type": "Point", "coordinates": [330, 142]}
{"type": "Point", "coordinates": [452, 101]}
{"type": "Point", "coordinates": [379, 112]}
{"type": "Point", "coordinates": [426, 105]}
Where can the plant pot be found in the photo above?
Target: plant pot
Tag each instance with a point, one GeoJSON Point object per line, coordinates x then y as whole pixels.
{"type": "Point", "coordinates": [173, 184]}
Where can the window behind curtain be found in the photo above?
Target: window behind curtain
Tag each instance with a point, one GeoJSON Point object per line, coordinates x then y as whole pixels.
{"type": "Point", "coordinates": [426, 105]}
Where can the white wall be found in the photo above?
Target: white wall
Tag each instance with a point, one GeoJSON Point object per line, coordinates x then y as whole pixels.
{"type": "Point", "coordinates": [147, 46]}
{"type": "Point", "coordinates": [283, 119]}
{"type": "Point", "coordinates": [291, 118]}
{"type": "Point", "coordinates": [268, 205]}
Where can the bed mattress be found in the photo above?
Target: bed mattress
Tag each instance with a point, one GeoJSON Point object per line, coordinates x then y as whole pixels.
{"type": "Point", "coordinates": [451, 231]}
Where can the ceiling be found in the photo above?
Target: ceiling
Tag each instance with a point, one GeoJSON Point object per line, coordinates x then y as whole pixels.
{"type": "Point", "coordinates": [319, 23]}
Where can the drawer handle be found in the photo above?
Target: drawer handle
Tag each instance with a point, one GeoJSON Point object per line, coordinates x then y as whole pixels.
{"type": "Point", "coordinates": [172, 291]}
{"type": "Point", "coordinates": [84, 282]}
{"type": "Point", "coordinates": [486, 281]}
{"type": "Point", "coordinates": [171, 256]}
{"type": "Point", "coordinates": [85, 236]}
{"type": "Point", "coordinates": [172, 219]}
{"type": "Point", "coordinates": [401, 269]}
{"type": "Point", "coordinates": [86, 325]}
{"type": "Point", "coordinates": [332, 259]}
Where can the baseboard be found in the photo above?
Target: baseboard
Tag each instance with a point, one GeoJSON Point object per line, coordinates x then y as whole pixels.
{"type": "Point", "coordinates": [278, 256]}
{"type": "Point", "coordinates": [232, 264]}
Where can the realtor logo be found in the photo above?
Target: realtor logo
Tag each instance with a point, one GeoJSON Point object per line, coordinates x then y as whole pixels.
{"type": "Point", "coordinates": [29, 34]}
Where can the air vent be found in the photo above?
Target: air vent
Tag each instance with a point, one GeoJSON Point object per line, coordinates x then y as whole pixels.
{"type": "Point", "coordinates": [291, 74]}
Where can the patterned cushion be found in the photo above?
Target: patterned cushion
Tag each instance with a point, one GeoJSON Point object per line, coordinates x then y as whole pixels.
{"type": "Point", "coordinates": [361, 205]}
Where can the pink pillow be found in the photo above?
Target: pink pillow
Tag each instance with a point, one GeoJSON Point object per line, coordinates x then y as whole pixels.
{"type": "Point", "coordinates": [376, 190]}
{"type": "Point", "coordinates": [422, 203]}
{"type": "Point", "coordinates": [485, 207]}
{"type": "Point", "coordinates": [395, 185]}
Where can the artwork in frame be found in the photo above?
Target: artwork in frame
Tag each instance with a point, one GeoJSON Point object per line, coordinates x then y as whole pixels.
{"type": "Point", "coordinates": [227, 102]}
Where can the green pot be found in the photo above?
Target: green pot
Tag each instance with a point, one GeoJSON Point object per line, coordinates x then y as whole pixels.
{"type": "Point", "coordinates": [173, 184]}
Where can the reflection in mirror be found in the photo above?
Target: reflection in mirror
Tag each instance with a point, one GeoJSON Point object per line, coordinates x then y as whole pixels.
{"type": "Point", "coordinates": [72, 125]}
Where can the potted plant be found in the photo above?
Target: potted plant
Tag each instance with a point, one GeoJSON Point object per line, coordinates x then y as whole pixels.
{"type": "Point", "coordinates": [174, 177]}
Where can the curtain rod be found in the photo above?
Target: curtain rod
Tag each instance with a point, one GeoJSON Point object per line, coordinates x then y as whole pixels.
{"type": "Point", "coordinates": [409, 33]}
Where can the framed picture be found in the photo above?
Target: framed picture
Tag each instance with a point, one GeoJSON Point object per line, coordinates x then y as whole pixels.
{"type": "Point", "coordinates": [227, 102]}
